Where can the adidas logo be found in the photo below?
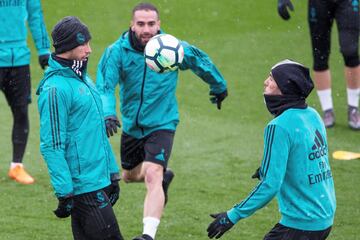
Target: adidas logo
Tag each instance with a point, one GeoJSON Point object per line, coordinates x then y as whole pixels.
{"type": "Point", "coordinates": [160, 156]}
{"type": "Point", "coordinates": [319, 148]}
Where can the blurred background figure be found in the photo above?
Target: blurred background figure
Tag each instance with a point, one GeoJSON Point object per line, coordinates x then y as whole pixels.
{"type": "Point", "coordinates": [15, 70]}
{"type": "Point", "coordinates": [321, 16]}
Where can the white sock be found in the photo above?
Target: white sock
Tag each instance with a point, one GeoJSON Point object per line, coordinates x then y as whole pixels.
{"type": "Point", "coordinates": [14, 164]}
{"type": "Point", "coordinates": [150, 226]}
{"type": "Point", "coordinates": [353, 96]}
{"type": "Point", "coordinates": [325, 99]}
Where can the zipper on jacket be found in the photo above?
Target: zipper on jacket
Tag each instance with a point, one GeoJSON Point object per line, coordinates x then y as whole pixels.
{"type": "Point", "coordinates": [141, 100]}
{"type": "Point", "coordinates": [102, 123]}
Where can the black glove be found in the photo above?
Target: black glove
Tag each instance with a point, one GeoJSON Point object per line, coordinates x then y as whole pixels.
{"type": "Point", "coordinates": [112, 123]}
{"type": "Point", "coordinates": [64, 207]}
{"type": "Point", "coordinates": [218, 98]}
{"type": "Point", "coordinates": [283, 6]}
{"type": "Point", "coordinates": [256, 174]}
{"type": "Point", "coordinates": [113, 190]}
{"type": "Point", "coordinates": [219, 226]}
{"type": "Point", "coordinates": [43, 60]}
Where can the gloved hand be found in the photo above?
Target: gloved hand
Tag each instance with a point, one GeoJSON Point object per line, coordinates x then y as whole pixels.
{"type": "Point", "coordinates": [283, 6]}
{"type": "Point", "coordinates": [218, 98]}
{"type": "Point", "coordinates": [43, 60]}
{"type": "Point", "coordinates": [64, 207]}
{"type": "Point", "coordinates": [112, 123]}
{"type": "Point", "coordinates": [256, 174]}
{"type": "Point", "coordinates": [113, 190]}
{"type": "Point", "coordinates": [219, 226]}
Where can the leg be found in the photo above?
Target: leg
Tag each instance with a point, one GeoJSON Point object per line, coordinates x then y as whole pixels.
{"type": "Point", "coordinates": [154, 199]}
{"type": "Point", "coordinates": [320, 23]}
{"type": "Point", "coordinates": [93, 218]}
{"type": "Point", "coordinates": [347, 18]}
{"type": "Point", "coordinates": [20, 131]}
{"type": "Point", "coordinates": [134, 175]}
{"type": "Point", "coordinates": [155, 151]}
{"type": "Point", "coordinates": [17, 92]}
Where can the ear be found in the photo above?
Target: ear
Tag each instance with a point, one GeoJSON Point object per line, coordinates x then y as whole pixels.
{"type": "Point", "coordinates": [132, 25]}
{"type": "Point", "coordinates": [159, 25]}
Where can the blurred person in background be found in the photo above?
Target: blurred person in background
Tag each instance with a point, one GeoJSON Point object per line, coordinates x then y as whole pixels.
{"type": "Point", "coordinates": [15, 70]}
{"type": "Point", "coordinates": [321, 16]}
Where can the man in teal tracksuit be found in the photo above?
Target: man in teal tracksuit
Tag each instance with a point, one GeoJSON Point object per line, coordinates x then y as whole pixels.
{"type": "Point", "coordinates": [15, 70]}
{"type": "Point", "coordinates": [295, 166]}
{"type": "Point", "coordinates": [82, 167]}
{"type": "Point", "coordinates": [148, 107]}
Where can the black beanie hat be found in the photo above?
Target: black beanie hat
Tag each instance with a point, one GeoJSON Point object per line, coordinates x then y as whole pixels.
{"type": "Point", "coordinates": [69, 33]}
{"type": "Point", "coordinates": [292, 78]}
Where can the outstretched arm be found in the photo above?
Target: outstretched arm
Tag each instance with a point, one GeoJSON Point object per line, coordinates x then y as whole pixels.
{"type": "Point", "coordinates": [107, 77]}
{"type": "Point", "coordinates": [272, 173]}
{"type": "Point", "coordinates": [200, 63]}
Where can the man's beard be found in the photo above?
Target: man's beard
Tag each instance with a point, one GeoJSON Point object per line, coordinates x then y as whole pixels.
{"type": "Point", "coordinates": [145, 36]}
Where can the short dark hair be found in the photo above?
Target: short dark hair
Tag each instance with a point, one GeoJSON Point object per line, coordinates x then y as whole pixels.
{"type": "Point", "coordinates": [145, 6]}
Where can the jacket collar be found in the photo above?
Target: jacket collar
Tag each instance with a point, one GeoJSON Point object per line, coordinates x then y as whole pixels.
{"type": "Point", "coordinates": [55, 68]}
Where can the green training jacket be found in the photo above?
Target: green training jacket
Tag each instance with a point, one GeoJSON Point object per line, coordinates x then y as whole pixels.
{"type": "Point", "coordinates": [148, 100]}
{"type": "Point", "coordinates": [73, 138]}
{"type": "Point", "coordinates": [14, 15]}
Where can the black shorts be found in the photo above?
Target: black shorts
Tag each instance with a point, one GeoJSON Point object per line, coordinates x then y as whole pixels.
{"type": "Point", "coordinates": [93, 217]}
{"type": "Point", "coordinates": [15, 83]}
{"type": "Point", "coordinates": [280, 232]}
{"type": "Point", "coordinates": [155, 147]}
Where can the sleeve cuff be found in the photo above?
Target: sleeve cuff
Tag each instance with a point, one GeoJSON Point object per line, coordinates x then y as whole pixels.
{"type": "Point", "coordinates": [233, 215]}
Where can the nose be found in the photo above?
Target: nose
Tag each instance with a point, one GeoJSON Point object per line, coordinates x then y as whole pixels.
{"type": "Point", "coordinates": [146, 28]}
{"type": "Point", "coordinates": [88, 48]}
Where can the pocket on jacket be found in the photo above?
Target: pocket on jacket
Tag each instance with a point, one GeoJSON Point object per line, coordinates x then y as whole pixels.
{"type": "Point", "coordinates": [72, 159]}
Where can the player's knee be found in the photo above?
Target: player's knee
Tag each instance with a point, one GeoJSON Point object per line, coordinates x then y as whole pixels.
{"type": "Point", "coordinates": [20, 113]}
{"type": "Point", "coordinates": [153, 176]}
{"type": "Point", "coordinates": [125, 177]}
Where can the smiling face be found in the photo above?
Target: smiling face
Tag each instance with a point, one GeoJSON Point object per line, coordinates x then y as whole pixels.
{"type": "Point", "coordinates": [145, 24]}
{"type": "Point", "coordinates": [271, 87]}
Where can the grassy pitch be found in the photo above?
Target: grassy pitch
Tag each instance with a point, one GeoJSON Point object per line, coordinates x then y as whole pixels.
{"type": "Point", "coordinates": [215, 152]}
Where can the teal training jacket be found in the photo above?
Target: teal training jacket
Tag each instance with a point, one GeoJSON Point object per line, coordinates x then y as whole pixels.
{"type": "Point", "coordinates": [73, 138]}
{"type": "Point", "coordinates": [148, 100]}
{"type": "Point", "coordinates": [296, 169]}
{"type": "Point", "coordinates": [14, 15]}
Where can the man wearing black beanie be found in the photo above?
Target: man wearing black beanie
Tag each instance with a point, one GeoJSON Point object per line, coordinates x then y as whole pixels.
{"type": "Point", "coordinates": [295, 166]}
{"type": "Point", "coordinates": [81, 164]}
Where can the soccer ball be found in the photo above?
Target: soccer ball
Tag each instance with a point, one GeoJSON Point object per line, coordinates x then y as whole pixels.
{"type": "Point", "coordinates": [163, 53]}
